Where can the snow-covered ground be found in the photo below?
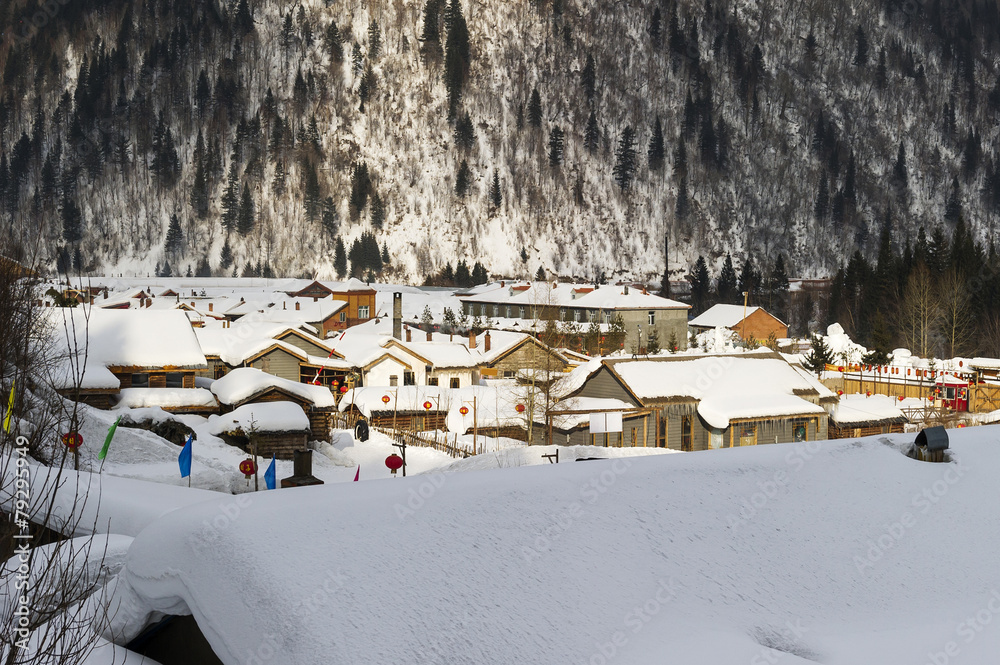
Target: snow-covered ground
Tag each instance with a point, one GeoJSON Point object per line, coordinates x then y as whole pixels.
{"type": "Point", "coordinates": [840, 552]}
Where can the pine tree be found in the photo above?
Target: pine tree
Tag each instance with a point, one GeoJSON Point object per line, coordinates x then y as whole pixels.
{"type": "Point", "coordinates": [540, 274]}
{"type": "Point", "coordinates": [822, 205]}
{"type": "Point", "coordinates": [175, 237]}
{"type": "Point", "coordinates": [953, 208]}
{"type": "Point", "coordinates": [199, 190]}
{"type": "Point", "coordinates": [367, 87]}
{"type": "Point", "coordinates": [479, 274]}
{"type": "Point", "coordinates": [361, 187]}
{"type": "Point", "coordinates": [656, 152]}
{"type": "Point", "coordinates": [456, 56]}
{"type": "Point", "coordinates": [819, 355]}
{"type": "Point", "coordinates": [431, 33]}
{"type": "Point", "coordinates": [707, 143]}
{"type": "Point", "coordinates": [592, 134]}
{"type": "Point", "coordinates": [463, 179]}
{"type": "Point", "coordinates": [226, 258]}
{"type": "Point", "coordinates": [374, 40]}
{"type": "Point", "coordinates": [778, 289]}
{"type": "Point", "coordinates": [682, 207]}
{"type": "Point", "coordinates": [465, 132]}
{"type": "Point", "coordinates": [231, 198]}
{"type": "Point", "coordinates": [247, 217]}
{"type": "Point", "coordinates": [725, 289]}
{"type": "Point", "coordinates": [72, 220]}
{"type": "Point", "coordinates": [588, 77]}
{"type": "Point", "coordinates": [333, 42]}
{"type": "Point", "coordinates": [700, 286]}
{"type": "Point", "coordinates": [680, 159]}
{"type": "Point", "coordinates": [899, 174]}
{"type": "Point", "coordinates": [280, 178]}
{"type": "Point", "coordinates": [656, 28]}
{"type": "Point", "coordinates": [340, 258]}
{"type": "Point", "coordinates": [204, 268]}
{"type": "Point", "coordinates": [535, 109]}
{"type": "Point", "coordinates": [377, 211]}
{"type": "Point", "coordinates": [331, 224]}
{"type": "Point", "coordinates": [556, 147]}
{"type": "Point", "coordinates": [625, 159]}
{"type": "Point", "coordinates": [496, 197]}
{"type": "Point", "coordinates": [463, 277]}
{"type": "Point", "coordinates": [861, 48]}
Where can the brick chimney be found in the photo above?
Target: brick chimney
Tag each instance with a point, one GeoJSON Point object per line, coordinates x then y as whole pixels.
{"type": "Point", "coordinates": [397, 315]}
{"type": "Point", "coordinates": [430, 338]}
{"type": "Point", "coordinates": [486, 342]}
{"type": "Point", "coordinates": [284, 305]}
{"type": "Point", "coordinates": [472, 339]}
{"type": "Point", "coordinates": [298, 306]}
{"type": "Point", "coordinates": [210, 307]}
{"type": "Point", "coordinates": [409, 337]}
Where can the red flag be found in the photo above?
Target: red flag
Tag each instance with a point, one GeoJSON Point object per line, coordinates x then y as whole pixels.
{"type": "Point", "coordinates": [358, 474]}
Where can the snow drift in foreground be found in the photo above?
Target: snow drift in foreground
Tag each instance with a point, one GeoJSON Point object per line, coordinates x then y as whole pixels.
{"type": "Point", "coordinates": [840, 552]}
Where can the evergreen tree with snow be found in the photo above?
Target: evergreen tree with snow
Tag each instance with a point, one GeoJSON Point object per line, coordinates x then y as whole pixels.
{"type": "Point", "coordinates": [819, 355]}
{"type": "Point", "coordinates": [625, 160]}
{"type": "Point", "coordinates": [226, 257]}
{"type": "Point", "coordinates": [540, 274]}
{"type": "Point", "coordinates": [588, 77]}
{"type": "Point", "coordinates": [246, 218]}
{"type": "Point", "coordinates": [592, 134]}
{"type": "Point", "coordinates": [860, 48]}
{"type": "Point", "coordinates": [465, 132]}
{"type": "Point", "coordinates": [72, 220]}
{"type": "Point", "coordinates": [456, 56]}
{"type": "Point", "coordinates": [496, 196]}
{"type": "Point", "coordinates": [656, 152]}
{"type": "Point", "coordinates": [331, 223]}
{"type": "Point", "coordinates": [701, 286]}
{"type": "Point", "coordinates": [430, 34]}
{"type": "Point", "coordinates": [199, 189]}
{"type": "Point", "coordinates": [340, 258]}
{"type": "Point", "coordinates": [175, 237]}
{"type": "Point", "coordinates": [535, 109]}
{"type": "Point", "coordinates": [374, 40]}
{"type": "Point", "coordinates": [377, 211]}
{"type": "Point", "coordinates": [479, 274]}
{"type": "Point", "coordinates": [682, 207]}
{"type": "Point", "coordinates": [899, 174]}
{"type": "Point", "coordinates": [556, 147]}
{"type": "Point", "coordinates": [725, 289]}
{"type": "Point", "coordinates": [231, 198]}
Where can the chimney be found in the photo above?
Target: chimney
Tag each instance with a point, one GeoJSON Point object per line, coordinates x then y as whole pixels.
{"type": "Point", "coordinates": [297, 306]}
{"type": "Point", "coordinates": [397, 315]}
{"type": "Point", "coordinates": [626, 290]}
{"type": "Point", "coordinates": [472, 339]}
{"type": "Point", "coordinates": [429, 336]}
{"type": "Point", "coordinates": [486, 342]}
{"type": "Point", "coordinates": [105, 294]}
{"type": "Point", "coordinates": [210, 307]}
{"type": "Point", "coordinates": [302, 471]}
{"type": "Point", "coordinates": [192, 304]}
{"type": "Point", "coordinates": [315, 299]}
{"type": "Point", "coordinates": [409, 337]}
{"type": "Point", "coordinates": [284, 305]}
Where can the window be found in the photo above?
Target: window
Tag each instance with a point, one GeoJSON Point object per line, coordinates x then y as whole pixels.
{"type": "Point", "coordinates": [592, 315]}
{"type": "Point", "coordinates": [652, 318]}
{"type": "Point", "coordinates": [509, 374]}
{"type": "Point", "coordinates": [748, 435]}
{"type": "Point", "coordinates": [496, 311]}
{"type": "Point", "coordinates": [454, 383]}
{"type": "Point", "coordinates": [949, 393]}
{"type": "Point", "coordinates": [393, 380]}
{"type": "Point", "coordinates": [607, 317]}
{"type": "Point", "coordinates": [579, 315]}
{"type": "Point", "coordinates": [175, 380]}
{"type": "Point", "coordinates": [408, 378]}
{"type": "Point", "coordinates": [362, 311]}
{"type": "Point", "coordinates": [140, 380]}
{"type": "Point", "coordinates": [343, 316]}
{"type": "Point", "coordinates": [220, 371]}
{"type": "Point", "coordinates": [686, 434]}
{"type": "Point", "coordinates": [432, 381]}
{"type": "Point", "coordinates": [522, 311]}
{"type": "Point", "coordinates": [800, 431]}
{"type": "Point", "coordinates": [562, 313]}
{"type": "Point", "coordinates": [508, 311]}
{"type": "Point", "coordinates": [662, 433]}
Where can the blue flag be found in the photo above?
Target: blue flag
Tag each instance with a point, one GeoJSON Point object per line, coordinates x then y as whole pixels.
{"type": "Point", "coordinates": [269, 475]}
{"type": "Point", "coordinates": [184, 459]}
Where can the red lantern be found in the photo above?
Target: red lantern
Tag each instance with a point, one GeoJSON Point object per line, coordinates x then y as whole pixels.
{"type": "Point", "coordinates": [961, 424]}
{"type": "Point", "coordinates": [385, 399]}
{"type": "Point", "coordinates": [72, 440]}
{"type": "Point", "coordinates": [394, 462]}
{"type": "Point", "coordinates": [840, 368]}
{"type": "Point", "coordinates": [248, 467]}
{"type": "Point", "coordinates": [519, 408]}
{"type": "Point", "coordinates": [343, 389]}
{"type": "Point", "coordinates": [428, 405]}
{"type": "Point", "coordinates": [901, 398]}
{"type": "Point", "coordinates": [868, 393]}
{"type": "Point", "coordinates": [840, 392]}
{"type": "Point", "coordinates": [464, 410]}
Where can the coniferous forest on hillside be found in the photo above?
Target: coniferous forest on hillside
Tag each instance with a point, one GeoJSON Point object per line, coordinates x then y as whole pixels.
{"type": "Point", "coordinates": [560, 138]}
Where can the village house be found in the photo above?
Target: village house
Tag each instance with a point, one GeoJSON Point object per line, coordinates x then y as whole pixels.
{"type": "Point", "coordinates": [358, 297]}
{"type": "Point", "coordinates": [139, 358]}
{"type": "Point", "coordinates": [865, 415]}
{"type": "Point", "coordinates": [520, 305]}
{"type": "Point", "coordinates": [748, 322]}
{"type": "Point", "coordinates": [279, 428]}
{"type": "Point", "coordinates": [704, 402]}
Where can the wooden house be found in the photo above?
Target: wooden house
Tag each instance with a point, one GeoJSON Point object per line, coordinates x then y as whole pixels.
{"type": "Point", "coordinates": [748, 322]}
{"type": "Point", "coordinates": [704, 402]}
{"type": "Point", "coordinates": [278, 428]}
{"type": "Point", "coordinates": [865, 415]}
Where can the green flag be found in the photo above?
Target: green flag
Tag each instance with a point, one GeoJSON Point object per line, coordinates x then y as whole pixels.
{"type": "Point", "coordinates": [107, 441]}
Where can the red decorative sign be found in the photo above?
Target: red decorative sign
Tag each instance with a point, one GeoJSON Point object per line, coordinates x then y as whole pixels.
{"type": "Point", "coordinates": [519, 408]}
{"type": "Point", "coordinates": [394, 462]}
{"type": "Point", "coordinates": [428, 405]}
{"type": "Point", "coordinates": [72, 440]}
{"type": "Point", "coordinates": [385, 399]}
{"type": "Point", "coordinates": [248, 467]}
{"type": "Point", "coordinates": [464, 410]}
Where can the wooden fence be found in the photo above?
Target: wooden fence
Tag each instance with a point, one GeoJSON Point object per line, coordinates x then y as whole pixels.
{"type": "Point", "coordinates": [436, 440]}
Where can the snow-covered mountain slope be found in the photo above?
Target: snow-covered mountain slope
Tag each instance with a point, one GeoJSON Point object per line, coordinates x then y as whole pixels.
{"type": "Point", "coordinates": [838, 552]}
{"type": "Point", "coordinates": [791, 117]}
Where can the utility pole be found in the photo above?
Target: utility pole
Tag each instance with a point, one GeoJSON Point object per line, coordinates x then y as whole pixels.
{"type": "Point", "coordinates": [743, 323]}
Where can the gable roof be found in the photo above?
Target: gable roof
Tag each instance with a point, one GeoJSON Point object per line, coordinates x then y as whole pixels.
{"type": "Point", "coordinates": [721, 315]}
{"type": "Point", "coordinates": [245, 383]}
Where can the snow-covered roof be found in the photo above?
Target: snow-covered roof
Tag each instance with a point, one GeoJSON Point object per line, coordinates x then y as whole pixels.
{"type": "Point", "coordinates": [589, 296]}
{"type": "Point", "coordinates": [244, 383]}
{"type": "Point", "coordinates": [566, 421]}
{"type": "Point", "coordinates": [401, 398]}
{"type": "Point", "coordinates": [724, 316]}
{"type": "Point", "coordinates": [177, 398]}
{"type": "Point", "coordinates": [859, 410]}
{"type": "Point", "coordinates": [139, 338]}
{"type": "Point", "coordinates": [265, 416]}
